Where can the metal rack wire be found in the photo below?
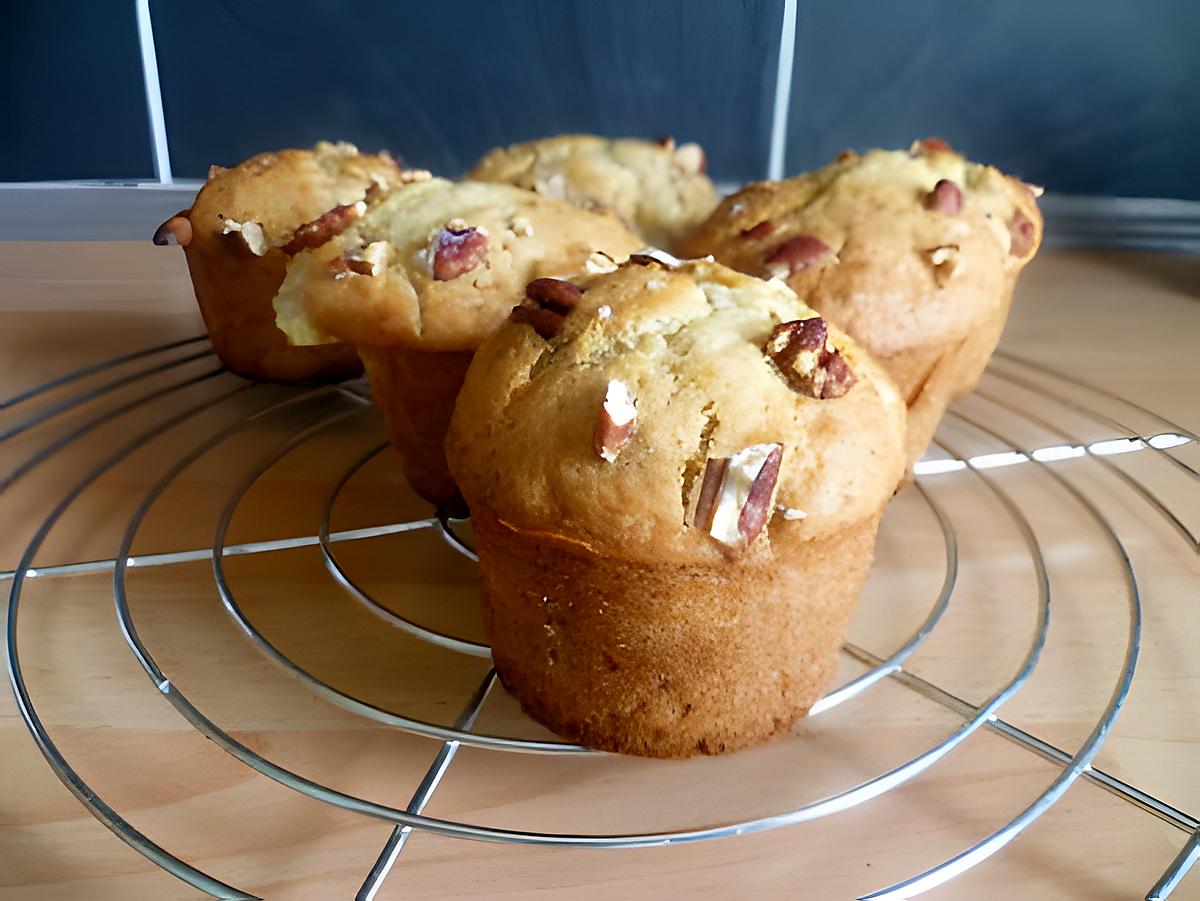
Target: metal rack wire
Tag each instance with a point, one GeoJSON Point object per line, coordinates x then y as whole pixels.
{"type": "Point", "coordinates": [99, 396]}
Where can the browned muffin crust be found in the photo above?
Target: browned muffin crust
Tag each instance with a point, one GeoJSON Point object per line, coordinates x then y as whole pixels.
{"type": "Point", "coordinates": [915, 254]}
{"type": "Point", "coordinates": [675, 475]}
{"type": "Point", "coordinates": [237, 240]}
{"type": "Point", "coordinates": [666, 660]}
{"type": "Point", "coordinates": [438, 265]}
{"type": "Point", "coordinates": [658, 188]}
{"type": "Point", "coordinates": [424, 275]}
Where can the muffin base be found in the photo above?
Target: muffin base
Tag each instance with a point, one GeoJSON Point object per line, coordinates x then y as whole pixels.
{"type": "Point", "coordinates": [415, 391]}
{"type": "Point", "coordinates": [234, 295]}
{"type": "Point", "coordinates": [664, 660]}
{"type": "Point", "coordinates": [929, 379]}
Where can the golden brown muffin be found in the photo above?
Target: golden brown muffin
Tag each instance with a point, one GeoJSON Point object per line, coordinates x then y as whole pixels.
{"type": "Point", "coordinates": [238, 237]}
{"type": "Point", "coordinates": [659, 189]}
{"type": "Point", "coordinates": [675, 478]}
{"type": "Point", "coordinates": [915, 254]}
{"type": "Point", "coordinates": [421, 279]}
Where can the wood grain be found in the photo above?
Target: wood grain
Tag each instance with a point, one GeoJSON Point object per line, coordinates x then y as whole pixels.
{"type": "Point", "coordinates": [1125, 321]}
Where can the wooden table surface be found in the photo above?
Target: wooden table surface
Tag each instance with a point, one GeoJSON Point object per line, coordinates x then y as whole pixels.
{"type": "Point", "coordinates": [1129, 323]}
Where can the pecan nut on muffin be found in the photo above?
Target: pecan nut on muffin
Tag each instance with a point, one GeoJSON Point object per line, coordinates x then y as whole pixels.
{"type": "Point", "coordinates": [675, 477]}
{"type": "Point", "coordinates": [418, 281]}
{"type": "Point", "coordinates": [238, 237]}
{"type": "Point", "coordinates": [659, 189]}
{"type": "Point", "coordinates": [914, 254]}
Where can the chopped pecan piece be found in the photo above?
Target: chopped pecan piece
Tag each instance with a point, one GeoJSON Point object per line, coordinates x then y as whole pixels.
{"type": "Point", "coordinates": [328, 225]}
{"type": "Point", "coordinates": [176, 230]}
{"type": "Point", "coordinates": [551, 299]}
{"type": "Point", "coordinates": [667, 142]}
{"type": "Point", "coordinates": [762, 230]}
{"type": "Point", "coordinates": [250, 235]}
{"type": "Point", "coordinates": [691, 158]}
{"type": "Point", "coordinates": [1033, 192]}
{"type": "Point", "coordinates": [944, 260]}
{"type": "Point", "coordinates": [839, 377]}
{"type": "Point", "coordinates": [546, 323]}
{"type": "Point", "coordinates": [338, 268]}
{"type": "Point", "coordinates": [376, 191]}
{"type": "Point", "coordinates": [599, 263]}
{"type": "Point", "coordinates": [459, 250]}
{"type": "Point", "coordinates": [808, 360]}
{"type": "Point", "coordinates": [715, 469]}
{"type": "Point", "coordinates": [795, 254]}
{"type": "Point", "coordinates": [928, 147]}
{"type": "Point", "coordinates": [553, 294]}
{"type": "Point", "coordinates": [736, 496]}
{"type": "Point", "coordinates": [372, 260]}
{"type": "Point", "coordinates": [944, 198]}
{"type": "Point", "coordinates": [1023, 234]}
{"type": "Point", "coordinates": [617, 421]}
{"type": "Point", "coordinates": [342, 148]}
{"type": "Point", "coordinates": [652, 256]}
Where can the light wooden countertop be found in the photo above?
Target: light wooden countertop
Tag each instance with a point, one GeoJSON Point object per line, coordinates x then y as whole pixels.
{"type": "Point", "coordinates": [1128, 323]}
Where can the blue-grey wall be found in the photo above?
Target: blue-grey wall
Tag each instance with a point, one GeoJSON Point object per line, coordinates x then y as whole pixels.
{"type": "Point", "coordinates": [1085, 96]}
{"type": "Point", "coordinates": [441, 83]}
{"type": "Point", "coordinates": [71, 95]}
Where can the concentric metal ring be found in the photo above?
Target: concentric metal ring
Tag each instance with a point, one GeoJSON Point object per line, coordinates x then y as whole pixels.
{"type": "Point", "coordinates": [461, 732]}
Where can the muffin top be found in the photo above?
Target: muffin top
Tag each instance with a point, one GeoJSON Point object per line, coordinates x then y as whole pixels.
{"type": "Point", "coordinates": [257, 206]}
{"type": "Point", "coordinates": [900, 249]}
{"type": "Point", "coordinates": [677, 412]}
{"type": "Point", "coordinates": [659, 189]}
{"type": "Point", "coordinates": [438, 265]}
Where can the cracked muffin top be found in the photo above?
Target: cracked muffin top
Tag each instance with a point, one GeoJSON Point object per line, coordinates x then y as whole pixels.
{"type": "Point", "coordinates": [677, 412]}
{"type": "Point", "coordinates": [901, 249]}
{"type": "Point", "coordinates": [257, 206]}
{"type": "Point", "coordinates": [438, 265]}
{"type": "Point", "coordinates": [659, 189]}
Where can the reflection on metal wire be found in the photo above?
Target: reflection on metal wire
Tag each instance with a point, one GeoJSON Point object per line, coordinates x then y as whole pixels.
{"type": "Point", "coordinates": [461, 732]}
{"type": "Point", "coordinates": [433, 777]}
{"type": "Point", "coordinates": [58, 763]}
{"type": "Point", "coordinates": [1102, 450]}
{"type": "Point", "coordinates": [450, 642]}
{"type": "Point", "coordinates": [1100, 392]}
{"type": "Point", "coordinates": [1082, 759]}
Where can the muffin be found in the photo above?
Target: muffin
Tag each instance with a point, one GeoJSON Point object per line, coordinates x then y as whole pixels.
{"type": "Point", "coordinates": [914, 254]}
{"type": "Point", "coordinates": [658, 189]}
{"type": "Point", "coordinates": [238, 237]}
{"type": "Point", "coordinates": [420, 280]}
{"type": "Point", "coordinates": [675, 477]}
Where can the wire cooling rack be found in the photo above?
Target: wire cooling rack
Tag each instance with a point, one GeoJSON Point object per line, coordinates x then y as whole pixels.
{"type": "Point", "coordinates": [1028, 432]}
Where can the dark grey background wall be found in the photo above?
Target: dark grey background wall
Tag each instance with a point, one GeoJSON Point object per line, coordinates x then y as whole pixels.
{"type": "Point", "coordinates": [440, 83]}
{"type": "Point", "coordinates": [1085, 96]}
{"type": "Point", "coordinates": [71, 96]}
